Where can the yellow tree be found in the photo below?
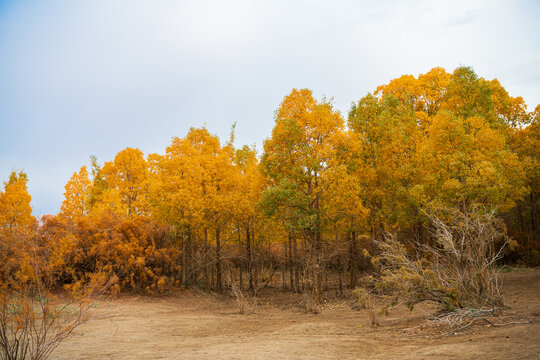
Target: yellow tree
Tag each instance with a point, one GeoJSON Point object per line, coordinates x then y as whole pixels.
{"type": "Point", "coordinates": [16, 229]}
{"type": "Point", "coordinates": [463, 162]}
{"type": "Point", "coordinates": [440, 139]}
{"type": "Point", "coordinates": [511, 110]}
{"type": "Point", "coordinates": [249, 187]}
{"type": "Point", "coordinates": [127, 182]}
{"type": "Point", "coordinates": [296, 160]}
{"type": "Point", "coordinates": [382, 142]}
{"type": "Point", "coordinates": [344, 207]}
{"type": "Point", "coordinates": [65, 239]}
{"type": "Point", "coordinates": [218, 198]}
{"type": "Point", "coordinates": [175, 193]}
{"type": "Point", "coordinates": [465, 157]}
{"type": "Point", "coordinates": [75, 202]}
{"type": "Point", "coordinates": [524, 220]}
{"type": "Point", "coordinates": [425, 94]}
{"type": "Point", "coordinates": [15, 209]}
{"type": "Point", "coordinates": [195, 191]}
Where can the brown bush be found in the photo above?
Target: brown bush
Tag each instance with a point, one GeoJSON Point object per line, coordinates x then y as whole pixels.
{"type": "Point", "coordinates": [456, 271]}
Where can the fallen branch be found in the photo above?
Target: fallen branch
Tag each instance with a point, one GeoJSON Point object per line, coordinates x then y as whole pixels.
{"type": "Point", "coordinates": [490, 323]}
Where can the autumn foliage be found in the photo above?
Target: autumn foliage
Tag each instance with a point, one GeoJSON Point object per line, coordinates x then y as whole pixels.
{"type": "Point", "coordinates": [206, 214]}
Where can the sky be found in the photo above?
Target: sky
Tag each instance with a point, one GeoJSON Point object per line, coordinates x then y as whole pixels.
{"type": "Point", "coordinates": [81, 78]}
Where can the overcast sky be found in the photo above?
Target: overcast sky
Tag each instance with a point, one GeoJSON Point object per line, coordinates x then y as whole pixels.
{"type": "Point", "coordinates": [93, 77]}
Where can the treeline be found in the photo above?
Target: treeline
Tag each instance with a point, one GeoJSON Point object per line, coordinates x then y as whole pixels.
{"type": "Point", "coordinates": [206, 214]}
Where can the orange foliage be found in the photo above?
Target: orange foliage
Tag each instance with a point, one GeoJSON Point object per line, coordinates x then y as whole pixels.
{"type": "Point", "coordinates": [139, 251]}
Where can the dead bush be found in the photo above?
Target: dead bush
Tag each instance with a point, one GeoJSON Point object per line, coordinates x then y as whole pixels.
{"type": "Point", "coordinates": [33, 321]}
{"type": "Point", "coordinates": [455, 271]}
{"type": "Point", "coordinates": [367, 300]}
{"type": "Point", "coordinates": [244, 305]}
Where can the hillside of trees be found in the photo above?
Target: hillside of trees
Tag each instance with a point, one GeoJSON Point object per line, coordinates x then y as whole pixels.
{"type": "Point", "coordinates": [208, 215]}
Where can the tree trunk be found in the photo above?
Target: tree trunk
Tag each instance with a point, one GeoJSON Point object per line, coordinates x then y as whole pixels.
{"type": "Point", "coordinates": [218, 262]}
{"type": "Point", "coordinates": [206, 277]}
{"type": "Point", "coordinates": [534, 219]}
{"type": "Point", "coordinates": [249, 261]}
{"type": "Point", "coordinates": [240, 262]}
{"type": "Point", "coordinates": [191, 275]}
{"type": "Point", "coordinates": [295, 265]}
{"type": "Point", "coordinates": [340, 270]}
{"type": "Point", "coordinates": [353, 258]}
{"type": "Point", "coordinates": [290, 263]}
{"type": "Point", "coordinates": [184, 259]}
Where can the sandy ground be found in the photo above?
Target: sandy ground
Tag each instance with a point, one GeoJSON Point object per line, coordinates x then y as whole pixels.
{"type": "Point", "coordinates": [201, 326]}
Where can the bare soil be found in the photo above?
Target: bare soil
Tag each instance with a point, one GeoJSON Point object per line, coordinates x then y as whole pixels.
{"type": "Point", "coordinates": [191, 325]}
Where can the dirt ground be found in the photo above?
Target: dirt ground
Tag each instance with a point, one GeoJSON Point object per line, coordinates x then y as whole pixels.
{"type": "Point", "coordinates": [202, 326]}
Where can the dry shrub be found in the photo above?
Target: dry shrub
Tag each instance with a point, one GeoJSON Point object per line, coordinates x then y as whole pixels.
{"type": "Point", "coordinates": [311, 281]}
{"type": "Point", "coordinates": [368, 300]}
{"type": "Point", "coordinates": [309, 302]}
{"type": "Point", "coordinates": [244, 306]}
{"type": "Point", "coordinates": [456, 271]}
{"type": "Point", "coordinates": [33, 321]}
